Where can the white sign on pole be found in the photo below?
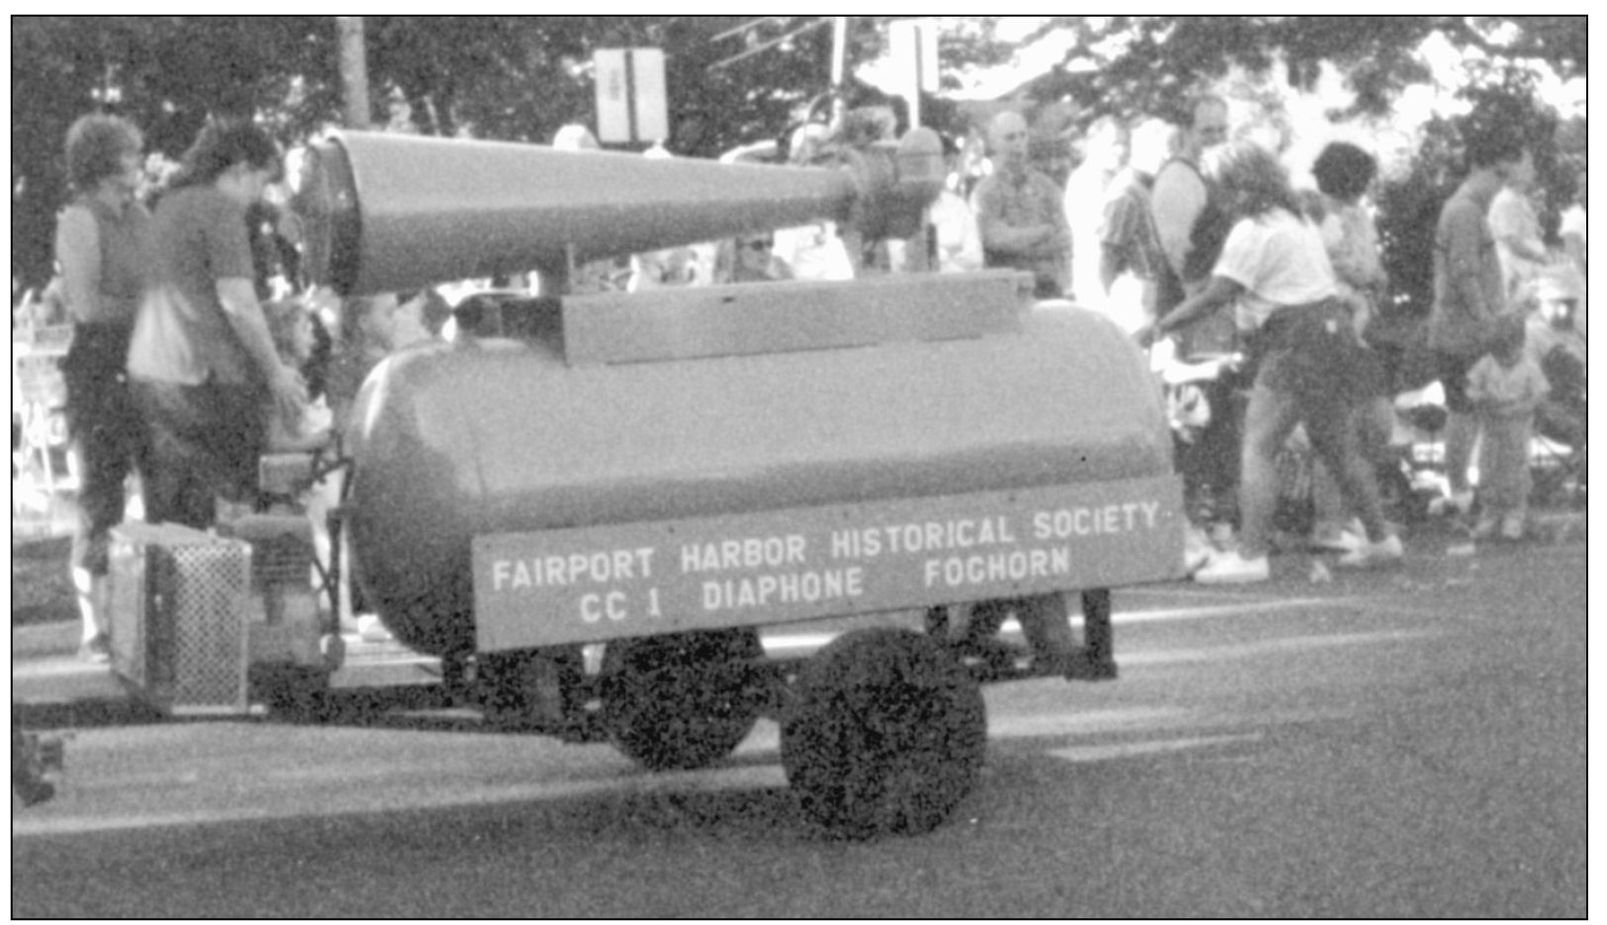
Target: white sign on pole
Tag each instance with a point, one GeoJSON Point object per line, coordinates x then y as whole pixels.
{"type": "Point", "coordinates": [652, 108]}
{"type": "Point", "coordinates": [632, 102]}
{"type": "Point", "coordinates": [613, 95]}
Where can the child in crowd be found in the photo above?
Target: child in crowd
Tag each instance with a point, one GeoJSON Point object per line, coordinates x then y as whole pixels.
{"type": "Point", "coordinates": [291, 325]}
{"type": "Point", "coordinates": [1558, 348]}
{"type": "Point", "coordinates": [1505, 388]}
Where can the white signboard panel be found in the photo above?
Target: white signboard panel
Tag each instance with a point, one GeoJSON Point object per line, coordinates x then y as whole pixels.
{"type": "Point", "coordinates": [587, 584]}
{"type": "Point", "coordinates": [632, 102]}
{"type": "Point", "coordinates": [613, 95]}
{"type": "Point", "coordinates": [651, 99]}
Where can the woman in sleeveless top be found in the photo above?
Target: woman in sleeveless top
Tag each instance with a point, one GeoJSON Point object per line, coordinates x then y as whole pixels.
{"type": "Point", "coordinates": [103, 246]}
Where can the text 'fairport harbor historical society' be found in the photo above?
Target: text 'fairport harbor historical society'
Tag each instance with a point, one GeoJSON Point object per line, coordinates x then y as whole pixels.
{"type": "Point", "coordinates": [570, 585]}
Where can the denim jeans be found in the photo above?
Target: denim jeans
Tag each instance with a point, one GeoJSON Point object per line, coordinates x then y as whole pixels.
{"type": "Point", "coordinates": [205, 441]}
{"type": "Point", "coordinates": [1375, 421]}
{"type": "Point", "coordinates": [1332, 427]}
{"type": "Point", "coordinates": [107, 437]}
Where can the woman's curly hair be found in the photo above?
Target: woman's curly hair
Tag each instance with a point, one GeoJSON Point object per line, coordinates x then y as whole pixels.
{"type": "Point", "coordinates": [96, 145]}
{"type": "Point", "coordinates": [1344, 171]}
{"type": "Point", "coordinates": [1254, 179]}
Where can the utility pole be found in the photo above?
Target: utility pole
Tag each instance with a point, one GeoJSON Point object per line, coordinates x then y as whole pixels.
{"type": "Point", "coordinates": [839, 62]}
{"type": "Point", "coordinates": [353, 70]}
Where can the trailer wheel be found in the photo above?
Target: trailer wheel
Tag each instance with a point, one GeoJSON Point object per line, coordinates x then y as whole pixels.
{"type": "Point", "coordinates": [682, 701]}
{"type": "Point", "coordinates": [292, 692]}
{"type": "Point", "coordinates": [887, 734]}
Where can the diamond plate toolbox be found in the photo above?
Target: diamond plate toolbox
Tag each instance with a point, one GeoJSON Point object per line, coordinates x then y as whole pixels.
{"type": "Point", "coordinates": [178, 616]}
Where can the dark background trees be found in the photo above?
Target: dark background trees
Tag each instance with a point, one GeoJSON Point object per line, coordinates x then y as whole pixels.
{"type": "Point", "coordinates": [511, 78]}
{"type": "Point", "coordinates": [1140, 64]}
{"type": "Point", "coordinates": [731, 80]}
{"type": "Point", "coordinates": [165, 73]}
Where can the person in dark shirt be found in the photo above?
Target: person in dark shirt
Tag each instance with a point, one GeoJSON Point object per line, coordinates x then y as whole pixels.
{"type": "Point", "coordinates": [1469, 290]}
{"type": "Point", "coordinates": [1192, 222]}
{"type": "Point", "coordinates": [202, 364]}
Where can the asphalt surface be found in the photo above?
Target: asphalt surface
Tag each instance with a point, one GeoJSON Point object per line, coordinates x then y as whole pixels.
{"type": "Point", "coordinates": [1408, 743]}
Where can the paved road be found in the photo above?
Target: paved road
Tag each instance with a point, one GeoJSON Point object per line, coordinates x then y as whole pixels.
{"type": "Point", "coordinates": [1392, 745]}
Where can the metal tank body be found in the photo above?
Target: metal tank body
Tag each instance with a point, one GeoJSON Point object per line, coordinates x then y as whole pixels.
{"type": "Point", "coordinates": [615, 410]}
{"type": "Point", "coordinates": [499, 436]}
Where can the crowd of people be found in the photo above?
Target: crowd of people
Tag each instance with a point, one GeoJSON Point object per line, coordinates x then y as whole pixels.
{"type": "Point", "coordinates": [1195, 239]}
{"type": "Point", "coordinates": [1240, 260]}
{"type": "Point", "coordinates": [185, 367]}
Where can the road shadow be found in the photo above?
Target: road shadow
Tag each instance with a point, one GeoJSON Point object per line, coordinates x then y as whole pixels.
{"type": "Point", "coordinates": [87, 714]}
{"type": "Point", "coordinates": [413, 707]}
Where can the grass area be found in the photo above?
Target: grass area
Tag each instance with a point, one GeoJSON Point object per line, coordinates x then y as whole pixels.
{"type": "Point", "coordinates": [41, 587]}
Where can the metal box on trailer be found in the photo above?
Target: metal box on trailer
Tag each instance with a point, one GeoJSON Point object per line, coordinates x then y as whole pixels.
{"type": "Point", "coordinates": [178, 612]}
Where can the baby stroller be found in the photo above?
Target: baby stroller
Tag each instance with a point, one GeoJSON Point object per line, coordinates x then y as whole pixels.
{"type": "Point", "coordinates": [1203, 408]}
{"type": "Point", "coordinates": [1558, 454]}
{"type": "Point", "coordinates": [1558, 458]}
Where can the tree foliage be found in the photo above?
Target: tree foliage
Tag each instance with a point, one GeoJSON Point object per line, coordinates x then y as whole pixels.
{"type": "Point", "coordinates": [167, 74]}
{"type": "Point", "coordinates": [504, 77]}
{"type": "Point", "coordinates": [1146, 64]}
{"type": "Point", "coordinates": [731, 80]}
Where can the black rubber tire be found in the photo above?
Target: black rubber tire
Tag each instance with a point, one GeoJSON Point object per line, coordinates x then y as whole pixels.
{"type": "Point", "coordinates": [682, 701]}
{"type": "Point", "coordinates": [292, 692]}
{"type": "Point", "coordinates": [886, 735]}
{"type": "Point", "coordinates": [510, 687]}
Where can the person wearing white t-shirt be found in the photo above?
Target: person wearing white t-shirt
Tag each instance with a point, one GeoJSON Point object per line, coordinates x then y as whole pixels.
{"type": "Point", "coordinates": [815, 251]}
{"type": "Point", "coordinates": [1275, 272]}
{"type": "Point", "coordinates": [1516, 229]}
{"type": "Point", "coordinates": [1088, 190]}
{"type": "Point", "coordinates": [1572, 228]}
{"type": "Point", "coordinates": [959, 246]}
{"type": "Point", "coordinates": [1572, 232]}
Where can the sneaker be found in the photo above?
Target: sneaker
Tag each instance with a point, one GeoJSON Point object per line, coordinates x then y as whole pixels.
{"type": "Point", "coordinates": [1197, 550]}
{"type": "Point", "coordinates": [96, 650]}
{"type": "Point", "coordinates": [1194, 559]}
{"type": "Point", "coordinates": [1512, 526]}
{"type": "Point", "coordinates": [1336, 540]}
{"type": "Point", "coordinates": [1230, 568]}
{"type": "Point", "coordinates": [1383, 552]}
{"type": "Point", "coordinates": [370, 629]}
